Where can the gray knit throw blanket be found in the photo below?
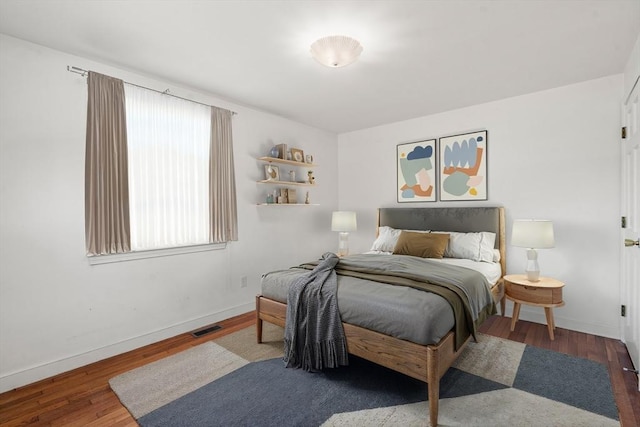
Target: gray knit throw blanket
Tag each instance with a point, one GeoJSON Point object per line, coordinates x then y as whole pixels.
{"type": "Point", "coordinates": [313, 335]}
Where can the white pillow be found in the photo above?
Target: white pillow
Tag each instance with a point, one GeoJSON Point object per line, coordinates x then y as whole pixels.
{"type": "Point", "coordinates": [386, 240]}
{"type": "Point", "coordinates": [388, 237]}
{"type": "Point", "coordinates": [496, 255]}
{"type": "Point", "coordinates": [487, 245]}
{"type": "Point", "coordinates": [473, 246]}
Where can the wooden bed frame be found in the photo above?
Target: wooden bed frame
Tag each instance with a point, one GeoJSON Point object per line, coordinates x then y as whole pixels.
{"type": "Point", "coordinates": [427, 363]}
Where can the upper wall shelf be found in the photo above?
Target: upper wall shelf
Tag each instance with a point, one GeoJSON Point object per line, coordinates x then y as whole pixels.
{"type": "Point", "coordinates": [287, 162]}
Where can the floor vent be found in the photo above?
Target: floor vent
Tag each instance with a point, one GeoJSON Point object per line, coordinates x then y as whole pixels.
{"type": "Point", "coordinates": [206, 330]}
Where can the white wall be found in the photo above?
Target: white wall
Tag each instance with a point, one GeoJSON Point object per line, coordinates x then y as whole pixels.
{"type": "Point", "coordinates": [632, 69]}
{"type": "Point", "coordinates": [551, 155]}
{"type": "Point", "coordinates": [56, 311]}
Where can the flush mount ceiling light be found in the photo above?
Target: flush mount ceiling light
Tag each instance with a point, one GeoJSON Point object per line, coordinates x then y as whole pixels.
{"type": "Point", "coordinates": [336, 51]}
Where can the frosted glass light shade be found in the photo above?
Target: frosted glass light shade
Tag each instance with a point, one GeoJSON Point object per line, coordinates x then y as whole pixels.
{"type": "Point", "coordinates": [336, 51]}
{"type": "Point", "coordinates": [343, 221]}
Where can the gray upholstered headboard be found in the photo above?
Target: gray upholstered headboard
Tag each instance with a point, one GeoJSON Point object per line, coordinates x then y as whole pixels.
{"type": "Point", "coordinates": [449, 219]}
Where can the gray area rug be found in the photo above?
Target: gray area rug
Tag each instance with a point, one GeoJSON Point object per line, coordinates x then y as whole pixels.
{"type": "Point", "coordinates": [233, 381]}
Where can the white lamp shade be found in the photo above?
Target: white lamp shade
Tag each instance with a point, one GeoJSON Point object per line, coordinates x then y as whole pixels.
{"type": "Point", "coordinates": [343, 221]}
{"type": "Point", "coordinates": [532, 233]}
{"type": "Point", "coordinates": [336, 51]}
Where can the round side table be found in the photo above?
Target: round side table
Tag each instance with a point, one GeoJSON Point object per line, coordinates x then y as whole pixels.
{"type": "Point", "coordinates": [546, 292]}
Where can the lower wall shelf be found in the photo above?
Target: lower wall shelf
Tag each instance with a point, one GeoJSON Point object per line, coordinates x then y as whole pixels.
{"type": "Point", "coordinates": [288, 204]}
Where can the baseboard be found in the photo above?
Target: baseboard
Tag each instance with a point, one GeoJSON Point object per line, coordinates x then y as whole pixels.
{"type": "Point", "coordinates": [49, 369]}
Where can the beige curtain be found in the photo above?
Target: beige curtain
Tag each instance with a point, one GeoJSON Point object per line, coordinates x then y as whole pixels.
{"type": "Point", "coordinates": [106, 169]}
{"type": "Point", "coordinates": [222, 181]}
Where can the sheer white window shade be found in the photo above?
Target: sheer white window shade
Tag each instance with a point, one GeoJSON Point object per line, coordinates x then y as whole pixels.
{"type": "Point", "coordinates": [168, 147]}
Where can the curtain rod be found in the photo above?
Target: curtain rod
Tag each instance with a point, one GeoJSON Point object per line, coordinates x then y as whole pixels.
{"type": "Point", "coordinates": [84, 73]}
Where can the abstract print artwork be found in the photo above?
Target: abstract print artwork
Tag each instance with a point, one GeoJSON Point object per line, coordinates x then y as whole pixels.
{"type": "Point", "coordinates": [416, 171]}
{"type": "Point", "coordinates": [463, 167]}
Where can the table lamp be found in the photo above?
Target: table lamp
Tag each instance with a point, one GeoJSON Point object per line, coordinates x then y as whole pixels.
{"type": "Point", "coordinates": [532, 234]}
{"type": "Point", "coordinates": [344, 222]}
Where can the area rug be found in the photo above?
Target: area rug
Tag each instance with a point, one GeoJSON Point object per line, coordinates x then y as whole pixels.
{"type": "Point", "coordinates": [232, 381]}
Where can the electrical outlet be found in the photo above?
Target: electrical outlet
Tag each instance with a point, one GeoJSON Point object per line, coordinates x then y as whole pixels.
{"type": "Point", "coordinates": [243, 282]}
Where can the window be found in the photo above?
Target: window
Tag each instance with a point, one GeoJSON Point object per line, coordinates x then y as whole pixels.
{"type": "Point", "coordinates": [159, 171]}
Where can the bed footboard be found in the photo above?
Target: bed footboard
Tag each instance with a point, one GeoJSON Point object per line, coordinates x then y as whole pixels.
{"type": "Point", "coordinates": [426, 363]}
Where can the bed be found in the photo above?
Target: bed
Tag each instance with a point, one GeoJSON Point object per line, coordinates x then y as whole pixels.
{"type": "Point", "coordinates": [385, 341]}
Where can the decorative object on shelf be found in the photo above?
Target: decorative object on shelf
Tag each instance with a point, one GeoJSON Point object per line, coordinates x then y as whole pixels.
{"type": "Point", "coordinates": [343, 222]}
{"type": "Point", "coordinates": [309, 158]}
{"type": "Point", "coordinates": [463, 167]}
{"type": "Point", "coordinates": [292, 197]}
{"type": "Point", "coordinates": [274, 152]}
{"type": "Point", "coordinates": [310, 178]}
{"type": "Point", "coordinates": [282, 151]}
{"type": "Point", "coordinates": [416, 171]}
{"type": "Point", "coordinates": [284, 197]}
{"type": "Point", "coordinates": [297, 155]}
{"type": "Point", "coordinates": [292, 176]}
{"type": "Point", "coordinates": [307, 200]}
{"type": "Point", "coordinates": [272, 172]}
{"type": "Point", "coordinates": [269, 198]}
{"type": "Point", "coordinates": [532, 234]}
{"type": "Point", "coordinates": [289, 155]}
{"type": "Point", "coordinates": [336, 51]}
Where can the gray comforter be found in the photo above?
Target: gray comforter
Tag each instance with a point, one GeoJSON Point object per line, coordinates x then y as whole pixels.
{"type": "Point", "coordinates": [400, 311]}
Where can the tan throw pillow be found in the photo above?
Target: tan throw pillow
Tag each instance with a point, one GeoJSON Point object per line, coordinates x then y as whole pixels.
{"type": "Point", "coordinates": [424, 245]}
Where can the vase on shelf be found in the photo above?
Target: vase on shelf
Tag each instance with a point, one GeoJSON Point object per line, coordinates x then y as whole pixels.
{"type": "Point", "coordinates": [273, 152]}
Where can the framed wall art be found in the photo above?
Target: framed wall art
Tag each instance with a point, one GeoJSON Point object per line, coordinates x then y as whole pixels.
{"type": "Point", "coordinates": [282, 151]}
{"type": "Point", "coordinates": [463, 167]}
{"type": "Point", "coordinates": [416, 171]}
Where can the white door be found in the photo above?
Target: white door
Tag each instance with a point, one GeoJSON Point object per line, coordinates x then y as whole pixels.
{"type": "Point", "coordinates": [631, 232]}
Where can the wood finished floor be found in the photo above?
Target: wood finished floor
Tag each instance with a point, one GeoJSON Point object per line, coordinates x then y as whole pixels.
{"type": "Point", "coordinates": [82, 397]}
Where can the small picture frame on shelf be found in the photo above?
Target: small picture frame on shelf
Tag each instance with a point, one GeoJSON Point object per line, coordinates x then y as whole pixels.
{"type": "Point", "coordinates": [271, 172]}
{"type": "Point", "coordinates": [284, 196]}
{"type": "Point", "coordinates": [309, 158]}
{"type": "Point", "coordinates": [297, 155]}
{"type": "Point", "coordinates": [292, 197]}
{"type": "Point", "coordinates": [282, 151]}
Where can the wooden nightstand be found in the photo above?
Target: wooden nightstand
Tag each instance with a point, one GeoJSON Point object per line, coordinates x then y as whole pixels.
{"type": "Point", "coordinates": [545, 293]}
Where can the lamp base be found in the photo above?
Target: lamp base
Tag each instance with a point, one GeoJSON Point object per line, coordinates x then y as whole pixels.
{"type": "Point", "coordinates": [343, 244]}
{"type": "Point", "coordinates": [533, 276]}
{"type": "Point", "coordinates": [533, 269]}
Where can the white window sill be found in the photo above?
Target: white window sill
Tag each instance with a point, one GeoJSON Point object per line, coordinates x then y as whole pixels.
{"type": "Point", "coordinates": [131, 256]}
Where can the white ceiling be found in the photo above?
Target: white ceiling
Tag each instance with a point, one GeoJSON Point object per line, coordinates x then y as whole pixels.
{"type": "Point", "coordinates": [419, 58]}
